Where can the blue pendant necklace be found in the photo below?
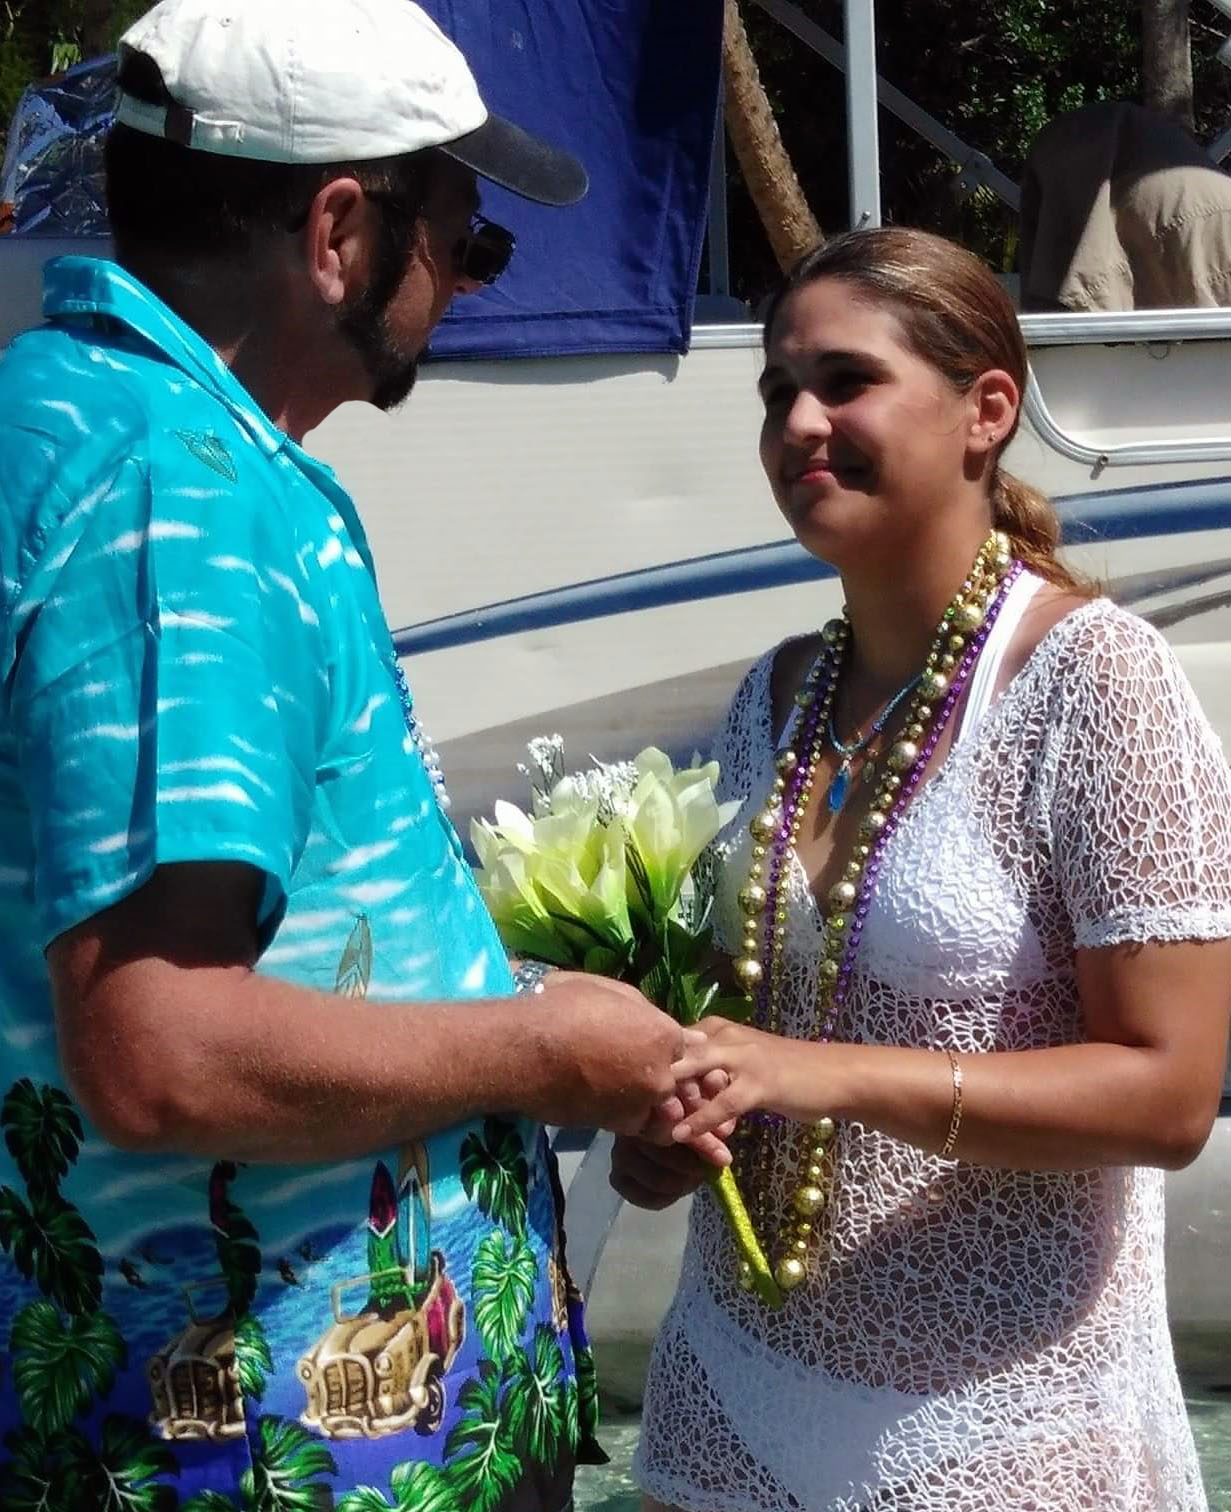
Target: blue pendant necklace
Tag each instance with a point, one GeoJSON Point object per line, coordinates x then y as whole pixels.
{"type": "Point", "coordinates": [835, 796]}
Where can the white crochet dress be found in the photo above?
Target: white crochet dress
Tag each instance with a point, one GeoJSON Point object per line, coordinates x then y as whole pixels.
{"type": "Point", "coordinates": [977, 1340]}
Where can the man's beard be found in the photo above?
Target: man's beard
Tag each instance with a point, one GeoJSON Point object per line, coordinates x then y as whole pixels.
{"type": "Point", "coordinates": [391, 368]}
{"type": "Point", "coordinates": [364, 321]}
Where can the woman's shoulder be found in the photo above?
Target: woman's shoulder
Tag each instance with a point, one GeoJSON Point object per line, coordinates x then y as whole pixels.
{"type": "Point", "coordinates": [1101, 662]}
{"type": "Point", "coordinates": [767, 689]}
{"type": "Point", "coordinates": [1097, 633]}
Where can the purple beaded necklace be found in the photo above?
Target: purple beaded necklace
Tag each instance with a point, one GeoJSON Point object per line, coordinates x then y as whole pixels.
{"type": "Point", "coordinates": [910, 782]}
{"type": "Point", "coordinates": [964, 630]}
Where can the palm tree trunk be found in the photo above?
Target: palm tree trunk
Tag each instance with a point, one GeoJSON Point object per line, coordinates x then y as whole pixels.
{"type": "Point", "coordinates": [789, 223]}
{"type": "Point", "coordinates": [1166, 58]}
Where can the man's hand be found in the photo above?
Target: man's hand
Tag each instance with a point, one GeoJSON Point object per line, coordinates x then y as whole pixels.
{"type": "Point", "coordinates": [606, 1053]}
{"type": "Point", "coordinates": [653, 1177]}
{"type": "Point", "coordinates": [157, 992]}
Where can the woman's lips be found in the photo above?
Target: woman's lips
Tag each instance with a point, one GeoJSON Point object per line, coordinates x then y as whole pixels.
{"type": "Point", "coordinates": [820, 471]}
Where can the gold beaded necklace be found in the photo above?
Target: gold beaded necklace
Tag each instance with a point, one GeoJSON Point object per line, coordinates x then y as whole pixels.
{"type": "Point", "coordinates": [775, 832]}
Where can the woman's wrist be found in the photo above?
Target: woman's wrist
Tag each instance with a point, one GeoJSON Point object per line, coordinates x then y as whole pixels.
{"type": "Point", "coordinates": [816, 1081]}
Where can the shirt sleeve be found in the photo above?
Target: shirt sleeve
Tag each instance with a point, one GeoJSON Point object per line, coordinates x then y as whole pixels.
{"type": "Point", "coordinates": [163, 676]}
{"type": "Point", "coordinates": [1141, 806]}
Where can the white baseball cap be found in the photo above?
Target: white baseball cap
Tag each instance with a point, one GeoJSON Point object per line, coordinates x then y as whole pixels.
{"type": "Point", "coordinates": [324, 81]}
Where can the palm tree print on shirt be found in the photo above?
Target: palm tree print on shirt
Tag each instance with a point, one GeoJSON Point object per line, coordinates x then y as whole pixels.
{"type": "Point", "coordinates": [65, 1351]}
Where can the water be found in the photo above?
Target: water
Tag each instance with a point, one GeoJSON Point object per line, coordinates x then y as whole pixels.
{"type": "Point", "coordinates": [610, 1489]}
{"type": "Point", "coordinates": [1209, 1411]}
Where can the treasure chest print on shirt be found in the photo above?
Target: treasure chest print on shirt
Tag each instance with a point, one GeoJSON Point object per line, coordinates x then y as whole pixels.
{"type": "Point", "coordinates": [449, 1344]}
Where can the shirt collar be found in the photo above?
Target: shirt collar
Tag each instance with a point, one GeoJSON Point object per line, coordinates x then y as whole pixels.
{"type": "Point", "coordinates": [78, 289]}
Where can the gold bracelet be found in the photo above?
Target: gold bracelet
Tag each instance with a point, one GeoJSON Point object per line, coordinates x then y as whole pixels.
{"type": "Point", "coordinates": [955, 1119]}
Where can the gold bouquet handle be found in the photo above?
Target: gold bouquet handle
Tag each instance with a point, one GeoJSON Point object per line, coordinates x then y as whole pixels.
{"type": "Point", "coordinates": [726, 1192]}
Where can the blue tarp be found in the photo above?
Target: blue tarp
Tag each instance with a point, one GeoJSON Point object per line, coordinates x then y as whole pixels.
{"type": "Point", "coordinates": [631, 87]}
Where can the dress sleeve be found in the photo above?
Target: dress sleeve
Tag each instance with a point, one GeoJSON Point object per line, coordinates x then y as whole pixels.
{"type": "Point", "coordinates": [162, 682]}
{"type": "Point", "coordinates": [1140, 812]}
{"type": "Point", "coordinates": [745, 729]}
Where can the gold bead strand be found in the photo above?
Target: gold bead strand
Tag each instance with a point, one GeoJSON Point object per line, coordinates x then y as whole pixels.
{"type": "Point", "coordinates": [963, 620]}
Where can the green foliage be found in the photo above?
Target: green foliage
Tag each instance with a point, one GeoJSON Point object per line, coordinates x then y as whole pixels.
{"type": "Point", "coordinates": [365, 1499]}
{"type": "Point", "coordinates": [417, 1487]}
{"type": "Point", "coordinates": [59, 1365]}
{"type": "Point", "coordinates": [208, 1501]}
{"type": "Point", "coordinates": [534, 1401]}
{"type": "Point", "coordinates": [284, 1470]}
{"type": "Point", "coordinates": [235, 1240]}
{"type": "Point", "coordinates": [31, 1477]}
{"type": "Point", "coordinates": [51, 1243]}
{"type": "Point", "coordinates": [119, 1475]}
{"type": "Point", "coordinates": [680, 981]}
{"type": "Point", "coordinates": [484, 1465]}
{"type": "Point", "coordinates": [505, 1272]}
{"type": "Point", "coordinates": [40, 37]}
{"type": "Point", "coordinates": [495, 1175]}
{"type": "Point", "coordinates": [583, 1408]}
{"type": "Point", "coordinates": [994, 74]}
{"type": "Point", "coordinates": [253, 1360]}
{"type": "Point", "coordinates": [42, 1132]}
{"type": "Point", "coordinates": [423, 1488]}
{"type": "Point", "coordinates": [572, 1416]}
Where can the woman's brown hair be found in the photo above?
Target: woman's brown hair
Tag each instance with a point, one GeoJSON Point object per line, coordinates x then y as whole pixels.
{"type": "Point", "coordinates": [956, 316]}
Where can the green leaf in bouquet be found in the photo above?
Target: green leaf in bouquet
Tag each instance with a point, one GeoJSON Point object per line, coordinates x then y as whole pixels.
{"type": "Point", "coordinates": [603, 961]}
{"type": "Point", "coordinates": [737, 1009]}
{"type": "Point", "coordinates": [683, 949]}
{"type": "Point", "coordinates": [640, 894]}
{"type": "Point", "coordinates": [692, 997]}
{"type": "Point", "coordinates": [656, 984]}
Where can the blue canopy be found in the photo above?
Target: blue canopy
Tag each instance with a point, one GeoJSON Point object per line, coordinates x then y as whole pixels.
{"type": "Point", "coordinates": [631, 87]}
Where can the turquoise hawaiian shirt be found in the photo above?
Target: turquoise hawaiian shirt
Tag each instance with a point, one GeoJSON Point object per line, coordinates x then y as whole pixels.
{"type": "Point", "coordinates": [194, 666]}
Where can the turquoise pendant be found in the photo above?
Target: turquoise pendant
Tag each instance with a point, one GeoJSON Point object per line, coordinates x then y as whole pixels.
{"type": "Point", "coordinates": [838, 788]}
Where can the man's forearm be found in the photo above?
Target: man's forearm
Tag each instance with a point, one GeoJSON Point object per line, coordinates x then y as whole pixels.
{"type": "Point", "coordinates": [226, 1062]}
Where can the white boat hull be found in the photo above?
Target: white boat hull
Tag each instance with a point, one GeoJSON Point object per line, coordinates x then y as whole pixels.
{"type": "Point", "coordinates": [561, 478]}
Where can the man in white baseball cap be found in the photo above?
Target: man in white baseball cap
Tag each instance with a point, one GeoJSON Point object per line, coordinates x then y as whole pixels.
{"type": "Point", "coordinates": [232, 118]}
{"type": "Point", "coordinates": [275, 1197]}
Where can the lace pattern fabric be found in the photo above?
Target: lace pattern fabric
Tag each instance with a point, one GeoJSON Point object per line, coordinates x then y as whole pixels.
{"type": "Point", "coordinates": [973, 1338]}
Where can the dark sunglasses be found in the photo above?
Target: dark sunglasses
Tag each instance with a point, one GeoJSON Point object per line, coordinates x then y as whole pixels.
{"type": "Point", "coordinates": [485, 251]}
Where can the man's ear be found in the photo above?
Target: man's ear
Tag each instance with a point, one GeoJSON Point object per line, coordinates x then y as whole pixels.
{"type": "Point", "coordinates": [337, 239]}
{"type": "Point", "coordinates": [994, 402]}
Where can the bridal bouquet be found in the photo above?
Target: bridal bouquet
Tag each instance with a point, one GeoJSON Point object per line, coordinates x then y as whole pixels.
{"type": "Point", "coordinates": [599, 876]}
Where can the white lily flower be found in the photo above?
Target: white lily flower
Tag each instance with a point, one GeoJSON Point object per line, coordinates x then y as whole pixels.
{"type": "Point", "coordinates": [674, 817]}
{"type": "Point", "coordinates": [508, 887]}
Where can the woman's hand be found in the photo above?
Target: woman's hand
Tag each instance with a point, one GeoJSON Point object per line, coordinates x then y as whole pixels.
{"type": "Point", "coordinates": [762, 1071]}
{"type": "Point", "coordinates": [1142, 1088]}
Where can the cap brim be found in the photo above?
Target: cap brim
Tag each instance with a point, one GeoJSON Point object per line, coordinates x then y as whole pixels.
{"type": "Point", "coordinates": [515, 160]}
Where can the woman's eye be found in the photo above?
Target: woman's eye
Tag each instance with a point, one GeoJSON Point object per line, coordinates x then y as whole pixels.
{"type": "Point", "coordinates": [846, 382]}
{"type": "Point", "coordinates": [778, 396]}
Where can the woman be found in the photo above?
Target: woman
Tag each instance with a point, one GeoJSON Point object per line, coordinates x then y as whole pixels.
{"type": "Point", "coordinates": [979, 893]}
